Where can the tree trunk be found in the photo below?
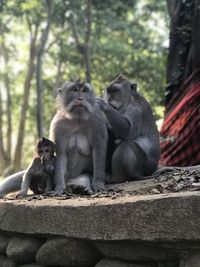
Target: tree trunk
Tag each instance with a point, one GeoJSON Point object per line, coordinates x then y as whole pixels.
{"type": "Point", "coordinates": [6, 81]}
{"type": "Point", "coordinates": [84, 48]}
{"type": "Point", "coordinates": [9, 119]}
{"type": "Point", "coordinates": [87, 41]}
{"type": "Point", "coordinates": [39, 82]}
{"type": "Point", "coordinates": [184, 52]}
{"type": "Point", "coordinates": [3, 158]}
{"type": "Point", "coordinates": [59, 70]}
{"type": "Point", "coordinates": [8, 105]}
{"type": "Point", "coordinates": [27, 85]}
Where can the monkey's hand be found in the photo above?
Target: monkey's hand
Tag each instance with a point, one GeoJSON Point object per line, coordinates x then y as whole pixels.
{"type": "Point", "coordinates": [98, 186]}
{"type": "Point", "coordinates": [21, 194]}
{"type": "Point", "coordinates": [101, 104]}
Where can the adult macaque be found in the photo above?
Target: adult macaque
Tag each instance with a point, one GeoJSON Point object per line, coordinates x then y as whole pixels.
{"type": "Point", "coordinates": [39, 175]}
{"type": "Point", "coordinates": [79, 132]}
{"type": "Point", "coordinates": [135, 151]}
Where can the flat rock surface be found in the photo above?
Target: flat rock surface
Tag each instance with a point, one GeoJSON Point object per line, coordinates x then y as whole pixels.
{"type": "Point", "coordinates": [169, 216]}
{"type": "Point", "coordinates": [163, 208]}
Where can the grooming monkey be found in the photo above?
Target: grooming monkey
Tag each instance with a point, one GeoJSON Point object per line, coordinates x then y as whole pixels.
{"type": "Point", "coordinates": [133, 147]}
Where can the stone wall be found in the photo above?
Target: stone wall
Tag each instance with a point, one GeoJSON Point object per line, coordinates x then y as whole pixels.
{"type": "Point", "coordinates": [139, 231]}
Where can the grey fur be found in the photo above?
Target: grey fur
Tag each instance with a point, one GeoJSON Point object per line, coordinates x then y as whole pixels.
{"type": "Point", "coordinates": [136, 140]}
{"type": "Point", "coordinates": [38, 176]}
{"type": "Point", "coordinates": [79, 132]}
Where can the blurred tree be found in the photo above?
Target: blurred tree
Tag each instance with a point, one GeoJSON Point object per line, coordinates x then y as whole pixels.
{"type": "Point", "coordinates": [39, 81]}
{"type": "Point", "coordinates": [83, 47]}
{"type": "Point", "coordinates": [184, 52]}
{"type": "Point", "coordinates": [33, 28]}
{"type": "Point", "coordinates": [88, 39]}
{"type": "Point", "coordinates": [5, 151]}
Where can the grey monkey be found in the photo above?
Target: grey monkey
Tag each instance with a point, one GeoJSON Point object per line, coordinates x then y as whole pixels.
{"type": "Point", "coordinates": [79, 132]}
{"type": "Point", "coordinates": [38, 176]}
{"type": "Point", "coordinates": [133, 147]}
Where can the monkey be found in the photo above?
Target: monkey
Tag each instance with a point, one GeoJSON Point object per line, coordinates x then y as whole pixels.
{"type": "Point", "coordinates": [135, 149]}
{"type": "Point", "coordinates": [38, 176]}
{"type": "Point", "coordinates": [79, 132]}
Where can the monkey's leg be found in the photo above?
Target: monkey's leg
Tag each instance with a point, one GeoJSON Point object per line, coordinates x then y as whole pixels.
{"type": "Point", "coordinates": [49, 185]}
{"type": "Point", "coordinates": [11, 184]}
{"type": "Point", "coordinates": [128, 163]}
{"type": "Point", "coordinates": [25, 185]}
{"type": "Point", "coordinates": [76, 179]}
{"type": "Point", "coordinates": [59, 177]}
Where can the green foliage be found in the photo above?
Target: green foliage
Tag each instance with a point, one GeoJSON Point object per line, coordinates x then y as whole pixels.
{"type": "Point", "coordinates": [127, 36]}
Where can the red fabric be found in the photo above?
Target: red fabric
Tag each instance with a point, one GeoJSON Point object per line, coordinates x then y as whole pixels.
{"type": "Point", "coordinates": [180, 132]}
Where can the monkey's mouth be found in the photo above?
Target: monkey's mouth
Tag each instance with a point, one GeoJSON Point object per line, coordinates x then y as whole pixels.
{"type": "Point", "coordinates": [79, 105]}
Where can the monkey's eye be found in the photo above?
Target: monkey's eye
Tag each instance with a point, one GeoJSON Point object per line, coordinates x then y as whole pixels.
{"type": "Point", "coordinates": [84, 89]}
{"type": "Point", "coordinates": [109, 90]}
{"type": "Point", "coordinates": [115, 90]}
{"type": "Point", "coordinates": [40, 151]}
{"type": "Point", "coordinates": [59, 90]}
{"type": "Point", "coordinates": [75, 89]}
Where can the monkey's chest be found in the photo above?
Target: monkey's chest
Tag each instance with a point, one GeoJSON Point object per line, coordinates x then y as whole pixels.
{"type": "Point", "coordinates": [79, 143]}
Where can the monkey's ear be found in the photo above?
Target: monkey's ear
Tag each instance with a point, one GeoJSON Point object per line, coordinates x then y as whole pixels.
{"type": "Point", "coordinates": [59, 91]}
{"type": "Point", "coordinates": [134, 87]}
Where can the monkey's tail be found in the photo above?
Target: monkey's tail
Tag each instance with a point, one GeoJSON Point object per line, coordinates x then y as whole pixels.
{"type": "Point", "coordinates": [11, 183]}
{"type": "Point", "coordinates": [167, 169]}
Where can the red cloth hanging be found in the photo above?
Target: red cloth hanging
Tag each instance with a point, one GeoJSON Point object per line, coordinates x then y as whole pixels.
{"type": "Point", "coordinates": [180, 132]}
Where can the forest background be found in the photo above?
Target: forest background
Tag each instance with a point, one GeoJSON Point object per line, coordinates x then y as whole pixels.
{"type": "Point", "coordinates": [44, 43]}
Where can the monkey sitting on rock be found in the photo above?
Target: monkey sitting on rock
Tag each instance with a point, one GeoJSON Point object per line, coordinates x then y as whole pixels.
{"type": "Point", "coordinates": [79, 132]}
{"type": "Point", "coordinates": [133, 143]}
{"type": "Point", "coordinates": [38, 176]}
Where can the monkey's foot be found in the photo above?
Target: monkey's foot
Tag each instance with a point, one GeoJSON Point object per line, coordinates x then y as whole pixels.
{"type": "Point", "coordinates": [80, 185]}
{"type": "Point", "coordinates": [98, 186]}
{"type": "Point", "coordinates": [21, 194]}
{"type": "Point", "coordinates": [55, 193]}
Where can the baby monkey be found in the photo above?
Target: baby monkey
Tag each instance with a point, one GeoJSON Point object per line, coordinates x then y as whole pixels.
{"type": "Point", "coordinates": [39, 175]}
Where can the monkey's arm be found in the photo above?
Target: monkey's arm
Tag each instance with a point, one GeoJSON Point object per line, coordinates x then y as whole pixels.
{"type": "Point", "coordinates": [120, 124]}
{"type": "Point", "coordinates": [11, 184]}
{"type": "Point", "coordinates": [50, 167]}
{"type": "Point", "coordinates": [99, 156]}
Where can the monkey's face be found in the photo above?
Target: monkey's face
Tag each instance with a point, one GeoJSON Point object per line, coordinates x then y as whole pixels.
{"type": "Point", "coordinates": [118, 94]}
{"type": "Point", "coordinates": [77, 99]}
{"type": "Point", "coordinates": [45, 149]}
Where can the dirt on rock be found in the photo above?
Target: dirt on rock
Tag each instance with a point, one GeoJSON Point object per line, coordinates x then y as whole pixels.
{"type": "Point", "coordinates": [176, 181]}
